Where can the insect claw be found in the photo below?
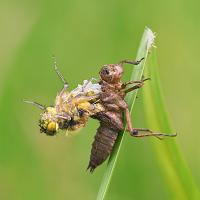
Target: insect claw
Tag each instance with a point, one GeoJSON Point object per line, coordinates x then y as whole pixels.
{"type": "Point", "coordinates": [138, 62]}
{"type": "Point", "coordinates": [146, 79]}
{"type": "Point", "coordinates": [159, 137]}
{"type": "Point", "coordinates": [131, 62]}
{"type": "Point", "coordinates": [168, 135]}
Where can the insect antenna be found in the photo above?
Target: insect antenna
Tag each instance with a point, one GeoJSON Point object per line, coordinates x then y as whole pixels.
{"type": "Point", "coordinates": [36, 104]}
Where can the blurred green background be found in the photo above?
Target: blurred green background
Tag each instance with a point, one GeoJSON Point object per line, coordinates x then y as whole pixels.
{"type": "Point", "coordinates": [85, 35]}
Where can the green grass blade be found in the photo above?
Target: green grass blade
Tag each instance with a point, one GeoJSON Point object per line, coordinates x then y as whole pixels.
{"type": "Point", "coordinates": [145, 44]}
{"type": "Point", "coordinates": [174, 168]}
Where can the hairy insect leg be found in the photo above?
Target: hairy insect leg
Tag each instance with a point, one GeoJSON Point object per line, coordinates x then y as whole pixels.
{"type": "Point", "coordinates": [40, 106]}
{"type": "Point", "coordinates": [124, 85]}
{"type": "Point", "coordinates": [128, 119]}
{"type": "Point", "coordinates": [60, 76]}
{"type": "Point", "coordinates": [135, 87]}
{"type": "Point", "coordinates": [131, 62]}
{"type": "Point", "coordinates": [135, 132]}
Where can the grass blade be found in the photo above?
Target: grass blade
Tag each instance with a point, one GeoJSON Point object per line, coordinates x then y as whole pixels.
{"type": "Point", "coordinates": [145, 44]}
{"type": "Point", "coordinates": [175, 170]}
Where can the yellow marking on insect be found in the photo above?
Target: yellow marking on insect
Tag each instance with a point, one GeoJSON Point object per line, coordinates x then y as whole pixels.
{"type": "Point", "coordinates": [90, 93]}
{"type": "Point", "coordinates": [52, 126]}
{"type": "Point", "coordinates": [84, 106]}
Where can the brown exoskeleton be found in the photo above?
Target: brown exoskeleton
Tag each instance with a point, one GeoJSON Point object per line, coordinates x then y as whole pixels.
{"type": "Point", "coordinates": [103, 101]}
{"type": "Point", "coordinates": [112, 95]}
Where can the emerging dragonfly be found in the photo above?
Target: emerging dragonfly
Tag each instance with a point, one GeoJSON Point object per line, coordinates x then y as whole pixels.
{"type": "Point", "coordinates": [72, 109]}
{"type": "Point", "coordinates": [103, 101]}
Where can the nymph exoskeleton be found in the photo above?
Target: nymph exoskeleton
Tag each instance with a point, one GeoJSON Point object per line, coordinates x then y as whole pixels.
{"type": "Point", "coordinates": [103, 101]}
{"type": "Point", "coordinates": [112, 95]}
{"type": "Point", "coordinates": [72, 109]}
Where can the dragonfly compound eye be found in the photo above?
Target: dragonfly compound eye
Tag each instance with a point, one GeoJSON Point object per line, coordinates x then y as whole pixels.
{"type": "Point", "coordinates": [49, 128]}
{"type": "Point", "coordinates": [52, 127]}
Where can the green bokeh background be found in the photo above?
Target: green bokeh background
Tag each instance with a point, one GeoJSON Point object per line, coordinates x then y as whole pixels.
{"type": "Point", "coordinates": [85, 35]}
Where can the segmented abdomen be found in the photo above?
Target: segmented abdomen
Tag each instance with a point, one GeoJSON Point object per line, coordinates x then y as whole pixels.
{"type": "Point", "coordinates": [102, 146]}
